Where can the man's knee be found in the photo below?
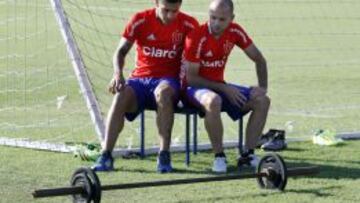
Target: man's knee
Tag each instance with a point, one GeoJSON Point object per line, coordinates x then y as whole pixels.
{"type": "Point", "coordinates": [164, 94]}
{"type": "Point", "coordinates": [212, 103]}
{"type": "Point", "coordinates": [262, 102]}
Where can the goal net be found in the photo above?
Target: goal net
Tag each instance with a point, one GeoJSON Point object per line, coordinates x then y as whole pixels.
{"type": "Point", "coordinates": [311, 47]}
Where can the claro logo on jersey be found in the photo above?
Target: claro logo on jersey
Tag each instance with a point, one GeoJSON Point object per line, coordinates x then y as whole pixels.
{"type": "Point", "coordinates": [159, 53]}
{"type": "Point", "coordinates": [213, 64]}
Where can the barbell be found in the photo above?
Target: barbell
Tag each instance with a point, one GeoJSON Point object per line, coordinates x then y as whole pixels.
{"type": "Point", "coordinates": [271, 173]}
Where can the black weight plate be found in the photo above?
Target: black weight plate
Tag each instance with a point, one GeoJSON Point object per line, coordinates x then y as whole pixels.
{"type": "Point", "coordinates": [94, 193]}
{"type": "Point", "coordinates": [80, 179]}
{"type": "Point", "coordinates": [275, 167]}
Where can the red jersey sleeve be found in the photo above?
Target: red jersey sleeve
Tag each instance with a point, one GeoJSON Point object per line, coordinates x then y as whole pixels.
{"type": "Point", "coordinates": [242, 39]}
{"type": "Point", "coordinates": [131, 30]}
{"type": "Point", "coordinates": [193, 45]}
{"type": "Point", "coordinates": [191, 24]}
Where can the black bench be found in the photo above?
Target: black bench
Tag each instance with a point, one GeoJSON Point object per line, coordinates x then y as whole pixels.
{"type": "Point", "coordinates": [188, 112]}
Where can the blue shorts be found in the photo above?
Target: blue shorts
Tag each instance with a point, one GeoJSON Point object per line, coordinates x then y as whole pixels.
{"type": "Point", "coordinates": [144, 89]}
{"type": "Point", "coordinates": [233, 111]}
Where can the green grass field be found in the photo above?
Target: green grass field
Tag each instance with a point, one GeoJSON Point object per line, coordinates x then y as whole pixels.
{"type": "Point", "coordinates": [22, 171]}
{"type": "Point", "coordinates": [312, 49]}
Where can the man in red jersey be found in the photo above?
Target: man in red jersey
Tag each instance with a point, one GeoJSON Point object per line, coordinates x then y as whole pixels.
{"type": "Point", "coordinates": [159, 35]}
{"type": "Point", "coordinates": [205, 55]}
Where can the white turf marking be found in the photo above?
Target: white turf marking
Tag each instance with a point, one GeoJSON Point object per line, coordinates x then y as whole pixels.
{"type": "Point", "coordinates": [303, 114]}
{"type": "Point", "coordinates": [60, 147]}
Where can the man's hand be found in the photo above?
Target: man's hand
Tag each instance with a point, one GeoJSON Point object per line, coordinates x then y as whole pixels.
{"type": "Point", "coordinates": [117, 84]}
{"type": "Point", "coordinates": [234, 95]}
{"type": "Point", "coordinates": [257, 91]}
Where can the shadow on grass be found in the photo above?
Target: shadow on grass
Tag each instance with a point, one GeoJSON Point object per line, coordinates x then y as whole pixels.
{"type": "Point", "coordinates": [326, 171]}
{"type": "Point", "coordinates": [322, 160]}
{"type": "Point", "coordinates": [175, 171]}
{"type": "Point", "coordinates": [318, 191]}
{"type": "Point", "coordinates": [333, 170]}
{"type": "Point", "coordinates": [329, 171]}
{"type": "Point", "coordinates": [232, 170]}
{"type": "Point", "coordinates": [293, 149]}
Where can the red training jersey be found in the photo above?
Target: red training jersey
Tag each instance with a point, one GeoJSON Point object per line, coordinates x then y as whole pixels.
{"type": "Point", "coordinates": [159, 47]}
{"type": "Point", "coordinates": [212, 54]}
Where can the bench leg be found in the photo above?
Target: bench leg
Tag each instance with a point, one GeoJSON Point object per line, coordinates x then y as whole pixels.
{"type": "Point", "coordinates": [187, 137]}
{"type": "Point", "coordinates": [240, 135]}
{"type": "Point", "coordinates": [142, 134]}
{"type": "Point", "coordinates": [194, 134]}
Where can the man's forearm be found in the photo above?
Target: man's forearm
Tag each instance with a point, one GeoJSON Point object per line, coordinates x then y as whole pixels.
{"type": "Point", "coordinates": [198, 81]}
{"type": "Point", "coordinates": [118, 63]}
{"type": "Point", "coordinates": [262, 75]}
{"type": "Point", "coordinates": [120, 54]}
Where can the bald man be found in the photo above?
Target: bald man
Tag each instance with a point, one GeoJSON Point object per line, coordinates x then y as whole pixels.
{"type": "Point", "coordinates": [205, 56]}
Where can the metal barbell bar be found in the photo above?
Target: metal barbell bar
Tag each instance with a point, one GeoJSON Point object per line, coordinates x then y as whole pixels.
{"type": "Point", "coordinates": [271, 174]}
{"type": "Point", "coordinates": [298, 171]}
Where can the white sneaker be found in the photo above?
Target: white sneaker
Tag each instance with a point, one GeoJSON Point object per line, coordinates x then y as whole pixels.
{"type": "Point", "coordinates": [254, 160]}
{"type": "Point", "coordinates": [219, 165]}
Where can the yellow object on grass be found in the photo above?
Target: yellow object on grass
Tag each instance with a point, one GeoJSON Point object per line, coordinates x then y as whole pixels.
{"type": "Point", "coordinates": [326, 138]}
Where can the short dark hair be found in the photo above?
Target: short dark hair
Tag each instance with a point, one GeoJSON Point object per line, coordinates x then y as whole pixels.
{"type": "Point", "coordinates": [173, 1]}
